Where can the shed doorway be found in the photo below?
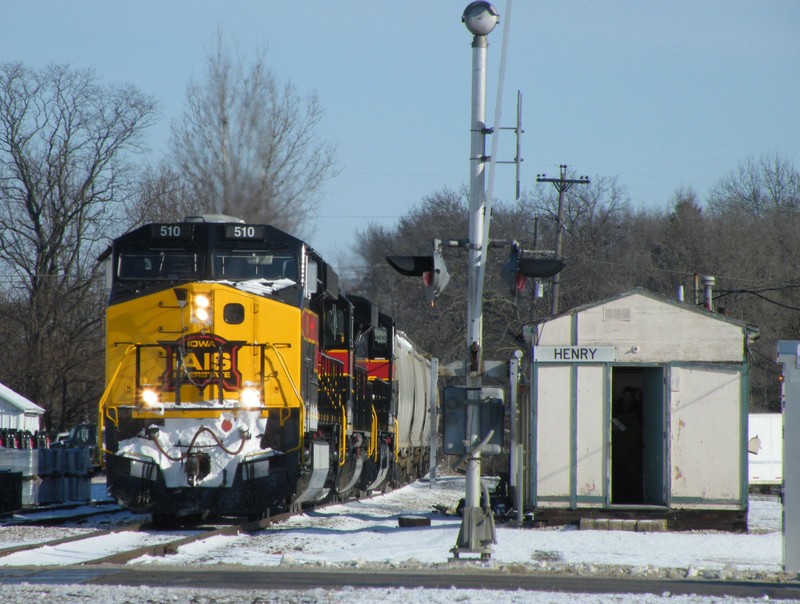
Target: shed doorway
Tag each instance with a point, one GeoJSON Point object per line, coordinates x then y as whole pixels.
{"type": "Point", "coordinates": [638, 436]}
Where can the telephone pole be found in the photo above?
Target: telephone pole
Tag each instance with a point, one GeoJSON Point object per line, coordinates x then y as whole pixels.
{"type": "Point", "coordinates": [562, 185]}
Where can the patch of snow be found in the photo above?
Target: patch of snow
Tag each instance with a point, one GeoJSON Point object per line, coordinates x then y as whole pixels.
{"type": "Point", "coordinates": [263, 286]}
{"type": "Point", "coordinates": [24, 594]}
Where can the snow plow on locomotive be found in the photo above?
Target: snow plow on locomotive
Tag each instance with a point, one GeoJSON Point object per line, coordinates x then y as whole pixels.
{"type": "Point", "coordinates": [240, 380]}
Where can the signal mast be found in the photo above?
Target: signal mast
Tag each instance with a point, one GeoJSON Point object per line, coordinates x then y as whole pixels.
{"type": "Point", "coordinates": [477, 531]}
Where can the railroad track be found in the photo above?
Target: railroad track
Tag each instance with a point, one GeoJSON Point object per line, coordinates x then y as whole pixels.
{"type": "Point", "coordinates": [59, 516]}
{"type": "Point", "coordinates": [122, 543]}
{"type": "Point", "coordinates": [72, 539]}
{"type": "Point", "coordinates": [171, 547]}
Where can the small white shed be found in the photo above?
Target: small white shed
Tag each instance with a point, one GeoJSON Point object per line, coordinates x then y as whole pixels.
{"type": "Point", "coordinates": [675, 449]}
{"type": "Point", "coordinates": [17, 412]}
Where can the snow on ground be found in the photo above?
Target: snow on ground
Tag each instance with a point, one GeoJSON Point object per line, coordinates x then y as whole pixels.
{"type": "Point", "coordinates": [25, 594]}
{"type": "Point", "coordinates": [14, 534]}
{"type": "Point", "coordinates": [366, 534]}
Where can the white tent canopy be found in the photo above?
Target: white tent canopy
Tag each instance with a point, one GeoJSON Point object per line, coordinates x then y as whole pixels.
{"type": "Point", "coordinates": [17, 412]}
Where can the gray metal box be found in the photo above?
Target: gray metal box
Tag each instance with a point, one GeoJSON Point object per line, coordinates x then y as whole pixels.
{"type": "Point", "coordinates": [473, 410]}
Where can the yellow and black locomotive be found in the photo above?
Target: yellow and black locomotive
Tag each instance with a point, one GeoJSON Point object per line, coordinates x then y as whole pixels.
{"type": "Point", "coordinates": [240, 380]}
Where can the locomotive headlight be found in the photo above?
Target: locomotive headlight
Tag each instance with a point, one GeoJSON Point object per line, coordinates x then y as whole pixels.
{"type": "Point", "coordinates": [202, 301]}
{"type": "Point", "coordinates": [249, 398]}
{"type": "Point", "coordinates": [201, 307]}
{"type": "Point", "coordinates": [150, 397]}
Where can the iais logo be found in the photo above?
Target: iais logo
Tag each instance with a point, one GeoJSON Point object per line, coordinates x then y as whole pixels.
{"type": "Point", "coordinates": [200, 360]}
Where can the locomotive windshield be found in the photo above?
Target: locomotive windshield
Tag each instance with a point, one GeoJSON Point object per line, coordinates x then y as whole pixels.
{"type": "Point", "coordinates": [239, 265]}
{"type": "Point", "coordinates": [164, 265]}
{"type": "Point", "coordinates": [380, 342]}
{"type": "Point", "coordinates": [334, 335]}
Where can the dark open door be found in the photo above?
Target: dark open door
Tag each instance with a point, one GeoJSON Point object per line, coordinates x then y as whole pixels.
{"type": "Point", "coordinates": [654, 436]}
{"type": "Point", "coordinates": [638, 448]}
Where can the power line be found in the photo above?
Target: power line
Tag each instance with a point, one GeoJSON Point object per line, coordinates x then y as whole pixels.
{"type": "Point", "coordinates": [758, 295]}
{"type": "Point", "coordinates": [356, 216]}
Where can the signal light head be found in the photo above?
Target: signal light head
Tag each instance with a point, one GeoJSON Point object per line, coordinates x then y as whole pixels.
{"type": "Point", "coordinates": [411, 266]}
{"type": "Point", "coordinates": [510, 273]}
{"type": "Point", "coordinates": [518, 268]}
{"type": "Point", "coordinates": [431, 268]}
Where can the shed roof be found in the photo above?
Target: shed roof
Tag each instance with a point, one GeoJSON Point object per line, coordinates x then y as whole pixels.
{"type": "Point", "coordinates": [7, 395]}
{"type": "Point", "coordinates": [752, 330]}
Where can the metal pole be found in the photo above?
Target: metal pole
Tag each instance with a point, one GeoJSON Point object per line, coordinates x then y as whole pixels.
{"type": "Point", "coordinates": [513, 384]}
{"type": "Point", "coordinates": [477, 526]}
{"type": "Point", "coordinates": [518, 154]}
{"type": "Point", "coordinates": [789, 358]}
{"type": "Point", "coordinates": [518, 493]}
{"type": "Point", "coordinates": [708, 286]}
{"type": "Point", "coordinates": [559, 234]}
{"type": "Point", "coordinates": [477, 203]}
{"type": "Point", "coordinates": [434, 419]}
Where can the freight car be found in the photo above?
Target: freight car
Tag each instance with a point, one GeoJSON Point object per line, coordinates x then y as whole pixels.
{"type": "Point", "coordinates": [241, 380]}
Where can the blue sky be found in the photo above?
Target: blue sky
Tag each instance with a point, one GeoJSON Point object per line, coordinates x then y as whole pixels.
{"type": "Point", "coordinates": [660, 95]}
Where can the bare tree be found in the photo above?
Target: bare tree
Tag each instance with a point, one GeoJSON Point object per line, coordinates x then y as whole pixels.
{"type": "Point", "coordinates": [609, 249]}
{"type": "Point", "coordinates": [247, 144]}
{"type": "Point", "coordinates": [160, 195]}
{"type": "Point", "coordinates": [596, 223]}
{"type": "Point", "coordinates": [63, 140]}
{"type": "Point", "coordinates": [757, 187]}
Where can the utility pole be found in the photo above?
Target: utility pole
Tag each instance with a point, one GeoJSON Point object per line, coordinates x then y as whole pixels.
{"type": "Point", "coordinates": [562, 185]}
